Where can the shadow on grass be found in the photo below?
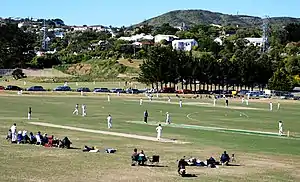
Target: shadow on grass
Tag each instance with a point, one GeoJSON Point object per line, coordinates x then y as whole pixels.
{"type": "Point", "coordinates": [233, 165]}
{"type": "Point", "coordinates": [189, 176]}
{"type": "Point", "coordinates": [150, 165]}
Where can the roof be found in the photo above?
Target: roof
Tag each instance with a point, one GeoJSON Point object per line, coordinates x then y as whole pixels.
{"type": "Point", "coordinates": [254, 39]}
{"type": "Point", "coordinates": [184, 40]}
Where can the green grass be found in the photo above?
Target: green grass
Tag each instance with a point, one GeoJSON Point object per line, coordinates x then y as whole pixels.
{"type": "Point", "coordinates": [262, 158]}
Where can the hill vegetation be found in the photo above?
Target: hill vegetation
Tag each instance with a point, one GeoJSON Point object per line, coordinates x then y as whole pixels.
{"type": "Point", "coordinates": [196, 17]}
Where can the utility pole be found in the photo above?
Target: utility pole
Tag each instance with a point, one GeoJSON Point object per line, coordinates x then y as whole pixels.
{"type": "Point", "coordinates": [45, 41]}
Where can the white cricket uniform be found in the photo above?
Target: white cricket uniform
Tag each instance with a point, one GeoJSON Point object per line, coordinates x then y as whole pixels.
{"type": "Point", "coordinates": [180, 103]}
{"type": "Point", "coordinates": [169, 99]}
{"type": "Point", "coordinates": [109, 121]}
{"type": "Point", "coordinates": [76, 110]}
{"type": "Point", "coordinates": [83, 110]}
{"type": "Point", "coordinates": [280, 127]}
{"type": "Point", "coordinates": [159, 131]}
{"type": "Point", "coordinates": [243, 100]}
{"type": "Point", "coordinates": [29, 116]}
{"type": "Point", "coordinates": [108, 98]}
{"type": "Point", "coordinates": [215, 101]}
{"type": "Point", "coordinates": [13, 133]}
{"type": "Point", "coordinates": [141, 102]}
{"type": "Point", "coordinates": [247, 102]}
{"type": "Point", "coordinates": [168, 120]}
{"type": "Point", "coordinates": [278, 106]}
{"type": "Point", "coordinates": [81, 93]}
{"type": "Point", "coordinates": [271, 106]}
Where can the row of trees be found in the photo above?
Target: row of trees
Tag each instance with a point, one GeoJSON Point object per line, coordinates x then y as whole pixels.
{"type": "Point", "coordinates": [246, 67]}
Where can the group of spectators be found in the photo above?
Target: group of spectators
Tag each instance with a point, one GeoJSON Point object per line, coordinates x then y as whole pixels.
{"type": "Point", "coordinates": [21, 137]}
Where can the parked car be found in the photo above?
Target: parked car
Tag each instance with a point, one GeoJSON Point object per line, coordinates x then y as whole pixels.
{"type": "Point", "coordinates": [116, 90]}
{"type": "Point", "coordinates": [184, 91]}
{"type": "Point", "coordinates": [13, 87]}
{"type": "Point", "coordinates": [84, 89]}
{"type": "Point", "coordinates": [202, 92]}
{"type": "Point", "coordinates": [2, 88]}
{"type": "Point", "coordinates": [62, 88]}
{"type": "Point", "coordinates": [101, 90]}
{"type": "Point", "coordinates": [167, 90]}
{"type": "Point", "coordinates": [132, 91]}
{"type": "Point", "coordinates": [36, 88]}
{"type": "Point", "coordinates": [242, 93]}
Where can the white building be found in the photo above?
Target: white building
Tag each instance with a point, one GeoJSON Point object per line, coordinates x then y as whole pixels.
{"type": "Point", "coordinates": [138, 37]}
{"type": "Point", "coordinates": [184, 44]}
{"type": "Point", "coordinates": [255, 41]}
{"type": "Point", "coordinates": [218, 40]}
{"type": "Point", "coordinates": [80, 28]}
{"type": "Point", "coordinates": [169, 38]}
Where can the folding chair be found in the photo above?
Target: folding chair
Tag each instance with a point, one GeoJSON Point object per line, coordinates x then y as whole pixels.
{"type": "Point", "coordinates": [154, 159]}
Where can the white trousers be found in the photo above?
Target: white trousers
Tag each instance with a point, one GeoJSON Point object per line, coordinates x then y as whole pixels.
{"type": "Point", "coordinates": [109, 124]}
{"type": "Point", "coordinates": [75, 111]}
{"type": "Point", "coordinates": [83, 113]}
{"type": "Point", "coordinates": [29, 116]}
{"type": "Point", "coordinates": [281, 131]}
{"type": "Point", "coordinates": [158, 135]}
{"type": "Point", "coordinates": [14, 137]}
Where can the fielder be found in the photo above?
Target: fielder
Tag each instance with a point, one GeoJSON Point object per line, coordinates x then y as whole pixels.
{"type": "Point", "coordinates": [215, 101]}
{"type": "Point", "coordinates": [29, 113]}
{"type": "Point", "coordinates": [109, 121]}
{"type": "Point", "coordinates": [141, 101]}
{"type": "Point", "coordinates": [168, 120]}
{"type": "Point", "coordinates": [226, 102]}
{"type": "Point", "coordinates": [278, 105]}
{"type": "Point", "coordinates": [180, 103]}
{"type": "Point", "coordinates": [76, 109]}
{"type": "Point", "coordinates": [247, 102]}
{"type": "Point", "coordinates": [243, 100]}
{"type": "Point", "coordinates": [271, 106]}
{"type": "Point", "coordinates": [159, 130]}
{"type": "Point", "coordinates": [13, 133]}
{"type": "Point", "coordinates": [169, 99]}
{"type": "Point", "coordinates": [83, 107]}
{"type": "Point", "coordinates": [280, 128]}
{"type": "Point", "coordinates": [108, 98]}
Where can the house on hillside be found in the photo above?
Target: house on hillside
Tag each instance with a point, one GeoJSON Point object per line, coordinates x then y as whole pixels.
{"type": "Point", "coordinates": [169, 38]}
{"type": "Point", "coordinates": [255, 41]}
{"type": "Point", "coordinates": [218, 40]}
{"type": "Point", "coordinates": [138, 37]}
{"type": "Point", "coordinates": [184, 44]}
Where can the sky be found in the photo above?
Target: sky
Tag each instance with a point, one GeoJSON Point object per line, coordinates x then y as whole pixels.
{"type": "Point", "coordinates": [129, 12]}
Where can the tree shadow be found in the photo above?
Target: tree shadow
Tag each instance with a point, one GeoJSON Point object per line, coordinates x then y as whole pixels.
{"type": "Point", "coordinates": [189, 176]}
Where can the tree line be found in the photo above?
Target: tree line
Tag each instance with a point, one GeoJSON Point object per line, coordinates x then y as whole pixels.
{"type": "Point", "coordinates": [244, 67]}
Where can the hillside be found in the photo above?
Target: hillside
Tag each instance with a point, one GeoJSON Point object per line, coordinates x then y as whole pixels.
{"type": "Point", "coordinates": [191, 17]}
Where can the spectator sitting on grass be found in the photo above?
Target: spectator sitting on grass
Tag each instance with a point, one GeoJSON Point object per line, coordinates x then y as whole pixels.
{"type": "Point", "coordinates": [134, 156]}
{"type": "Point", "coordinates": [66, 143]}
{"type": "Point", "coordinates": [25, 137]}
{"type": "Point", "coordinates": [9, 135]}
{"type": "Point", "coordinates": [45, 139]}
{"type": "Point", "coordinates": [19, 137]}
{"type": "Point", "coordinates": [142, 158]}
{"type": "Point", "coordinates": [224, 158]}
{"type": "Point", "coordinates": [38, 137]}
{"type": "Point", "coordinates": [32, 139]}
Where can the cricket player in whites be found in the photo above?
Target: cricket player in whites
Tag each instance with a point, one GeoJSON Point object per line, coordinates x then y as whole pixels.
{"type": "Point", "coordinates": [141, 101]}
{"type": "Point", "coordinates": [83, 107]}
{"type": "Point", "coordinates": [215, 100]}
{"type": "Point", "coordinates": [280, 127]}
{"type": "Point", "coordinates": [169, 99]}
{"type": "Point", "coordinates": [158, 131]}
{"type": "Point", "coordinates": [168, 120]}
{"type": "Point", "coordinates": [271, 106]}
{"type": "Point", "coordinates": [109, 121]}
{"type": "Point", "coordinates": [278, 105]}
{"type": "Point", "coordinates": [180, 103]}
{"type": "Point", "coordinates": [108, 98]}
{"type": "Point", "coordinates": [243, 100]}
{"type": "Point", "coordinates": [76, 109]}
{"type": "Point", "coordinates": [13, 133]}
{"type": "Point", "coordinates": [29, 113]}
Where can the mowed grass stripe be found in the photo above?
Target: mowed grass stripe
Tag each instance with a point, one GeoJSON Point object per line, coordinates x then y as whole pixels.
{"type": "Point", "coordinates": [218, 129]}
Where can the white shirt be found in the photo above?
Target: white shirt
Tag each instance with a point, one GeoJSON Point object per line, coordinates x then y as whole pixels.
{"type": "Point", "coordinates": [109, 118]}
{"type": "Point", "coordinates": [280, 125]}
{"type": "Point", "coordinates": [24, 133]}
{"type": "Point", "coordinates": [158, 129]}
{"type": "Point", "coordinates": [13, 129]}
{"type": "Point", "coordinates": [38, 138]}
{"type": "Point", "coordinates": [168, 116]}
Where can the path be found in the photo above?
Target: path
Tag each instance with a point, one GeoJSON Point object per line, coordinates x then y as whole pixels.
{"type": "Point", "coordinates": [107, 132]}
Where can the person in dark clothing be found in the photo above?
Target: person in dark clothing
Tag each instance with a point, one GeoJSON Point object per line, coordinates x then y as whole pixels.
{"type": "Point", "coordinates": [181, 167]}
{"type": "Point", "coordinates": [134, 157]}
{"type": "Point", "coordinates": [66, 143]}
{"type": "Point", "coordinates": [32, 139]}
{"type": "Point", "coordinates": [226, 102]}
{"type": "Point", "coordinates": [225, 158]}
{"type": "Point", "coordinates": [146, 116]}
{"type": "Point", "coordinates": [9, 135]}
